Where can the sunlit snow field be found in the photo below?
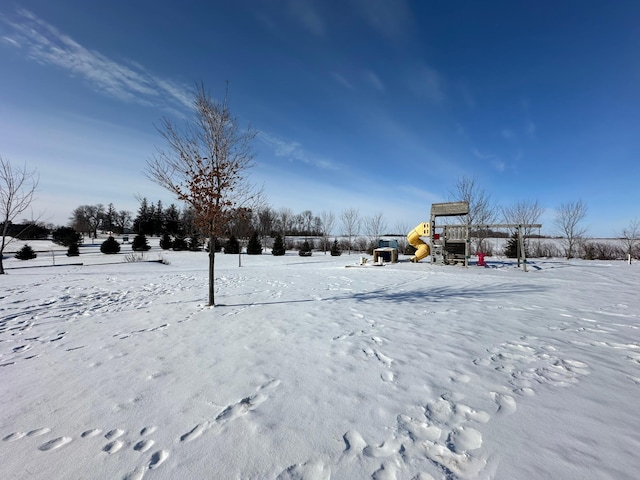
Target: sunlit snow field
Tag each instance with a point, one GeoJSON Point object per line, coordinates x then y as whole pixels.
{"type": "Point", "coordinates": [317, 368]}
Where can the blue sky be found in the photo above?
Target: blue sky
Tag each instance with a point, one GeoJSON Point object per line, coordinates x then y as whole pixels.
{"type": "Point", "coordinates": [370, 104]}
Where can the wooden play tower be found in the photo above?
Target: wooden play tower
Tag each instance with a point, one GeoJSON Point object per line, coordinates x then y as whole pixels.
{"type": "Point", "coordinates": [450, 243]}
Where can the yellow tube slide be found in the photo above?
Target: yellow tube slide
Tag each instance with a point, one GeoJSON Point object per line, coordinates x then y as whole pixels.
{"type": "Point", "coordinates": [422, 249]}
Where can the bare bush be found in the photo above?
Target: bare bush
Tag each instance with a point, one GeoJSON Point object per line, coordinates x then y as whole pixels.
{"type": "Point", "coordinates": [592, 250]}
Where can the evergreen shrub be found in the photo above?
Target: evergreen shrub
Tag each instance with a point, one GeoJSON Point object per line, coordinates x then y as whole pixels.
{"type": "Point", "coordinates": [110, 246]}
{"type": "Point", "coordinates": [305, 249]}
{"type": "Point", "coordinates": [335, 249]}
{"type": "Point", "coordinates": [254, 247]}
{"type": "Point", "coordinates": [26, 253]}
{"type": "Point", "coordinates": [278, 246]}
{"type": "Point", "coordinates": [165, 242]}
{"type": "Point", "coordinates": [179, 244]}
{"type": "Point", "coordinates": [232, 245]}
{"type": "Point", "coordinates": [140, 243]}
{"type": "Point", "coordinates": [195, 245]}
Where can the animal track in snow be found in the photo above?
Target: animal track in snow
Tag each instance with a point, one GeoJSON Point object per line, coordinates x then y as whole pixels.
{"type": "Point", "coordinates": [158, 458]}
{"type": "Point", "coordinates": [113, 447]}
{"type": "Point", "coordinates": [312, 470]}
{"type": "Point", "coordinates": [232, 412]}
{"type": "Point", "coordinates": [143, 445]}
{"type": "Point", "coordinates": [55, 444]}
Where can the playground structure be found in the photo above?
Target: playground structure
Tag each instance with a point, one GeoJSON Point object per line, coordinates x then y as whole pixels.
{"type": "Point", "coordinates": [387, 251]}
{"type": "Point", "coordinates": [450, 242]}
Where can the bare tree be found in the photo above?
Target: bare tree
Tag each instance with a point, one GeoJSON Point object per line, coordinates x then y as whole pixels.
{"type": "Point", "coordinates": [204, 165]}
{"type": "Point", "coordinates": [630, 236]}
{"type": "Point", "coordinates": [523, 213]}
{"type": "Point", "coordinates": [402, 229]}
{"type": "Point", "coordinates": [327, 222]}
{"type": "Point", "coordinates": [350, 223]}
{"type": "Point", "coordinates": [286, 218]}
{"type": "Point", "coordinates": [123, 219]}
{"type": "Point", "coordinates": [265, 219]}
{"type": "Point", "coordinates": [307, 221]}
{"type": "Point", "coordinates": [374, 228]}
{"type": "Point", "coordinates": [87, 219]}
{"type": "Point", "coordinates": [17, 188]}
{"type": "Point", "coordinates": [567, 222]}
{"type": "Point", "coordinates": [482, 210]}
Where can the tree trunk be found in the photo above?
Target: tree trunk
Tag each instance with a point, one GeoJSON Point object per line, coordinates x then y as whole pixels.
{"type": "Point", "coordinates": [212, 259]}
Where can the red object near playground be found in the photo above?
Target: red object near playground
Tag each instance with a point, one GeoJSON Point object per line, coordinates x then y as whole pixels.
{"type": "Point", "coordinates": [481, 262]}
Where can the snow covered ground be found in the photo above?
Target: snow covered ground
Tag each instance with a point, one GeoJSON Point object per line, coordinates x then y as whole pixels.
{"type": "Point", "coordinates": [310, 370]}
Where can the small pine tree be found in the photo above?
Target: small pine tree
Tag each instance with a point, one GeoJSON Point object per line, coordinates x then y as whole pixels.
{"type": "Point", "coordinates": [165, 242]}
{"type": "Point", "coordinates": [335, 249]}
{"type": "Point", "coordinates": [66, 236]}
{"type": "Point", "coordinates": [195, 245]}
{"type": "Point", "coordinates": [179, 244]}
{"type": "Point", "coordinates": [140, 243]}
{"type": "Point", "coordinates": [26, 253]}
{"type": "Point", "coordinates": [73, 250]}
{"type": "Point", "coordinates": [254, 247]}
{"type": "Point", "coordinates": [110, 246]}
{"type": "Point", "coordinates": [278, 246]}
{"type": "Point", "coordinates": [305, 249]}
{"type": "Point", "coordinates": [232, 245]}
{"type": "Point", "coordinates": [511, 248]}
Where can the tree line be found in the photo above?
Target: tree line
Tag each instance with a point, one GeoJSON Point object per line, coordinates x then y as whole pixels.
{"type": "Point", "coordinates": [204, 164]}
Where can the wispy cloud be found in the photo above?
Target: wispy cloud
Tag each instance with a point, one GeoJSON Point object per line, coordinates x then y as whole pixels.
{"type": "Point", "coordinates": [483, 156]}
{"type": "Point", "coordinates": [129, 82]}
{"type": "Point", "coordinates": [373, 80]}
{"type": "Point", "coordinates": [391, 19]}
{"type": "Point", "coordinates": [508, 134]}
{"type": "Point", "coordinates": [293, 151]}
{"type": "Point", "coordinates": [529, 126]}
{"type": "Point", "coordinates": [342, 80]}
{"type": "Point", "coordinates": [10, 41]}
{"type": "Point", "coordinates": [304, 13]}
{"type": "Point", "coordinates": [494, 160]}
{"type": "Point", "coordinates": [427, 82]}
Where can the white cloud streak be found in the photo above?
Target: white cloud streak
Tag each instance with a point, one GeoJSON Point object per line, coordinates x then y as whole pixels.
{"type": "Point", "coordinates": [293, 151]}
{"type": "Point", "coordinates": [342, 80]}
{"type": "Point", "coordinates": [46, 45]}
{"type": "Point", "coordinates": [428, 83]}
{"type": "Point", "coordinates": [374, 80]}
{"type": "Point", "coordinates": [390, 19]}
{"type": "Point", "coordinates": [307, 17]}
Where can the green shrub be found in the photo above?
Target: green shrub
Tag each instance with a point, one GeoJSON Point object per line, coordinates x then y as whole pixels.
{"type": "Point", "coordinates": [165, 242]}
{"type": "Point", "coordinates": [66, 236]}
{"type": "Point", "coordinates": [195, 245]}
{"type": "Point", "coordinates": [254, 247]}
{"type": "Point", "coordinates": [232, 245]}
{"type": "Point", "coordinates": [140, 243]}
{"type": "Point", "coordinates": [26, 253]}
{"type": "Point", "coordinates": [278, 246]}
{"type": "Point", "coordinates": [73, 250]}
{"type": "Point", "coordinates": [305, 249]}
{"type": "Point", "coordinates": [179, 244]}
{"type": "Point", "coordinates": [335, 249]}
{"type": "Point", "coordinates": [110, 246]}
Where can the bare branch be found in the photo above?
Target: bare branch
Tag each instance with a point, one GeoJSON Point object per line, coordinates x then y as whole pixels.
{"type": "Point", "coordinates": [568, 219]}
{"type": "Point", "coordinates": [17, 189]}
{"type": "Point", "coordinates": [204, 165]}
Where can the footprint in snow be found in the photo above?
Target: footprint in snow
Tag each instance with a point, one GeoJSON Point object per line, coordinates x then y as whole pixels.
{"type": "Point", "coordinates": [55, 444]}
{"type": "Point", "coordinates": [233, 411]}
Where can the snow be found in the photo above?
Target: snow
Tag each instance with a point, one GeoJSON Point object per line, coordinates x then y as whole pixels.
{"type": "Point", "coordinates": [310, 370]}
